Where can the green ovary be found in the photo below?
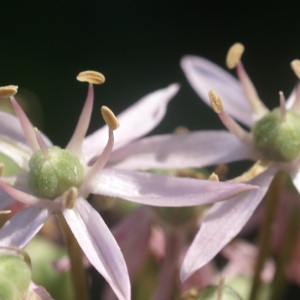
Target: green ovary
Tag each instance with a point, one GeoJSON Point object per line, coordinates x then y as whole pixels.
{"type": "Point", "coordinates": [50, 176]}
{"type": "Point", "coordinates": [278, 138]}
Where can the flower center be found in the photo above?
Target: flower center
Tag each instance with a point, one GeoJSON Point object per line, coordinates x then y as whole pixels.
{"type": "Point", "coordinates": [52, 174]}
{"type": "Point", "coordinates": [277, 137]}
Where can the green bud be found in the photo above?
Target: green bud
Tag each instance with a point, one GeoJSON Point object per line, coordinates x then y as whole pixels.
{"type": "Point", "coordinates": [278, 138]}
{"type": "Point", "coordinates": [15, 276]}
{"type": "Point", "coordinates": [53, 174]}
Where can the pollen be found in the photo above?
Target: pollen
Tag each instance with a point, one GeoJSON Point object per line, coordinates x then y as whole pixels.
{"type": "Point", "coordinates": [70, 198]}
{"type": "Point", "coordinates": [109, 118]}
{"type": "Point", "coordinates": [234, 55]}
{"type": "Point", "coordinates": [215, 101]}
{"type": "Point", "coordinates": [91, 77]}
{"type": "Point", "coordinates": [8, 91]}
{"type": "Point", "coordinates": [295, 64]}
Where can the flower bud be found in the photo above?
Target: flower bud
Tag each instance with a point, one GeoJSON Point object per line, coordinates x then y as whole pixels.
{"type": "Point", "coordinates": [15, 276]}
{"type": "Point", "coordinates": [52, 174]}
{"type": "Point", "coordinates": [278, 137]}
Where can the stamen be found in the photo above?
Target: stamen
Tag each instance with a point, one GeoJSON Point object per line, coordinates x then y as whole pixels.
{"type": "Point", "coordinates": [215, 101]}
{"type": "Point", "coordinates": [75, 143]}
{"type": "Point", "coordinates": [70, 198]}
{"type": "Point", "coordinates": [98, 165]}
{"type": "Point", "coordinates": [1, 169]}
{"type": "Point", "coordinates": [109, 118]}
{"type": "Point", "coordinates": [295, 64]}
{"type": "Point", "coordinates": [26, 125]}
{"type": "Point", "coordinates": [41, 142]}
{"type": "Point", "coordinates": [234, 55]}
{"type": "Point", "coordinates": [5, 212]}
{"type": "Point", "coordinates": [229, 122]}
{"type": "Point", "coordinates": [296, 104]}
{"type": "Point", "coordinates": [8, 91]}
{"type": "Point", "coordinates": [213, 176]}
{"type": "Point", "coordinates": [91, 77]}
{"type": "Point", "coordinates": [220, 288]}
{"type": "Point", "coordinates": [282, 106]}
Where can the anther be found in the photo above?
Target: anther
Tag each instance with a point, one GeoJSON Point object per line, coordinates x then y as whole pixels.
{"type": "Point", "coordinates": [109, 118]}
{"type": "Point", "coordinates": [8, 91]}
{"type": "Point", "coordinates": [5, 212]}
{"type": "Point", "coordinates": [215, 101]}
{"type": "Point", "coordinates": [91, 77]}
{"type": "Point", "coordinates": [234, 55]}
{"type": "Point", "coordinates": [213, 176]}
{"type": "Point", "coordinates": [295, 64]}
{"type": "Point", "coordinates": [70, 198]}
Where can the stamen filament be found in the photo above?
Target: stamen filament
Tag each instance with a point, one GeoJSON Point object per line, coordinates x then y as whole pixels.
{"type": "Point", "coordinates": [26, 125]}
{"type": "Point", "coordinates": [75, 143]}
{"type": "Point", "coordinates": [296, 104]}
{"type": "Point", "coordinates": [1, 169]}
{"type": "Point", "coordinates": [70, 198]}
{"type": "Point", "coordinates": [229, 122]}
{"type": "Point", "coordinates": [41, 142]}
{"type": "Point", "coordinates": [282, 106]}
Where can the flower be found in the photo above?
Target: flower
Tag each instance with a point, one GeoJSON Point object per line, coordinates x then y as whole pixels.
{"type": "Point", "coordinates": [273, 143]}
{"type": "Point", "coordinates": [42, 163]}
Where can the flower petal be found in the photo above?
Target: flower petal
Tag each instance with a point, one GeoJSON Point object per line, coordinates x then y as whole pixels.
{"type": "Point", "coordinates": [223, 223]}
{"type": "Point", "coordinates": [99, 245]}
{"type": "Point", "coordinates": [184, 150]}
{"type": "Point", "coordinates": [135, 121]}
{"type": "Point", "coordinates": [5, 200]}
{"type": "Point", "coordinates": [204, 76]}
{"type": "Point", "coordinates": [159, 190]}
{"type": "Point", "coordinates": [22, 227]}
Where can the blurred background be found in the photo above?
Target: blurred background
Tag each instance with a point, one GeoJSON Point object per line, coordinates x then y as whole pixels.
{"type": "Point", "coordinates": [137, 45]}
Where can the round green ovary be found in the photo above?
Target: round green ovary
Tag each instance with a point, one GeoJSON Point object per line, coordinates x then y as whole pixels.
{"type": "Point", "coordinates": [50, 176]}
{"type": "Point", "coordinates": [278, 139]}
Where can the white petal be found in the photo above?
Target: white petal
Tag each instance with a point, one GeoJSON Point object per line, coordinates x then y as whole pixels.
{"type": "Point", "coordinates": [184, 150]}
{"type": "Point", "coordinates": [204, 76]}
{"type": "Point", "coordinates": [159, 190]}
{"type": "Point", "coordinates": [99, 246]}
{"type": "Point", "coordinates": [135, 121]}
{"type": "Point", "coordinates": [223, 223]}
{"type": "Point", "coordinates": [22, 227]}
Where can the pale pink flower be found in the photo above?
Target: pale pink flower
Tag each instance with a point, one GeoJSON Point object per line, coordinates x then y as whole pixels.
{"type": "Point", "coordinates": [241, 101]}
{"type": "Point", "coordinates": [101, 176]}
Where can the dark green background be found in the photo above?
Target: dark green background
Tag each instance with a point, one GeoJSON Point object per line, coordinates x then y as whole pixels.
{"type": "Point", "coordinates": [138, 45]}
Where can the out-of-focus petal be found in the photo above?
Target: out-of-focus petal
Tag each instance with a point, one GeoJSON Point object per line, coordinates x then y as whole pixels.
{"type": "Point", "coordinates": [22, 227]}
{"type": "Point", "coordinates": [133, 239]}
{"type": "Point", "coordinates": [294, 172]}
{"type": "Point", "coordinates": [99, 245]}
{"type": "Point", "coordinates": [19, 153]}
{"type": "Point", "coordinates": [204, 76]}
{"type": "Point", "coordinates": [184, 150]}
{"type": "Point", "coordinates": [5, 200]}
{"type": "Point", "coordinates": [159, 190]}
{"type": "Point", "coordinates": [135, 121]}
{"type": "Point", "coordinates": [223, 223]}
{"type": "Point", "coordinates": [38, 292]}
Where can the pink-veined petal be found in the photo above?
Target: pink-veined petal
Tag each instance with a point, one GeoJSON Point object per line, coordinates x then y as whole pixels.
{"type": "Point", "coordinates": [204, 76]}
{"type": "Point", "coordinates": [159, 190]}
{"type": "Point", "coordinates": [135, 121]}
{"type": "Point", "coordinates": [184, 150]}
{"type": "Point", "coordinates": [99, 245]}
{"type": "Point", "coordinates": [223, 223]}
{"type": "Point", "coordinates": [22, 227]}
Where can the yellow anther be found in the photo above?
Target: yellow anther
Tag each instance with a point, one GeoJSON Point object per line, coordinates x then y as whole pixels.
{"type": "Point", "coordinates": [234, 55]}
{"type": "Point", "coordinates": [295, 64]}
{"type": "Point", "coordinates": [213, 177]}
{"type": "Point", "coordinates": [109, 118]}
{"type": "Point", "coordinates": [91, 77]}
{"type": "Point", "coordinates": [70, 198]}
{"type": "Point", "coordinates": [215, 101]}
{"type": "Point", "coordinates": [1, 169]}
{"type": "Point", "coordinates": [8, 91]}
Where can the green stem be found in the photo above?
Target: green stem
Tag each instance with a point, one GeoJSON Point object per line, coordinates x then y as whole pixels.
{"type": "Point", "coordinates": [78, 273]}
{"type": "Point", "coordinates": [287, 246]}
{"type": "Point", "coordinates": [272, 200]}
